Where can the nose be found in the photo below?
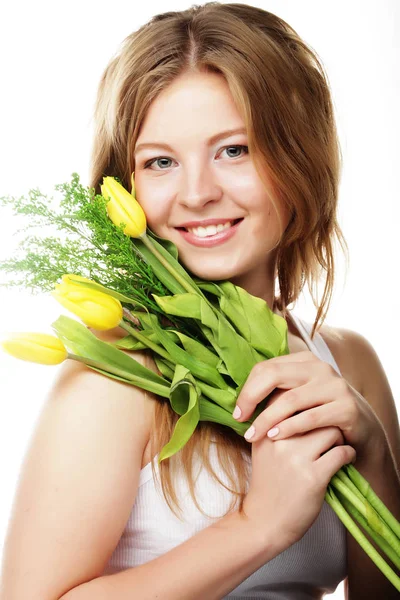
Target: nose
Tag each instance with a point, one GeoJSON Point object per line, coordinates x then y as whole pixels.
{"type": "Point", "coordinates": [198, 187]}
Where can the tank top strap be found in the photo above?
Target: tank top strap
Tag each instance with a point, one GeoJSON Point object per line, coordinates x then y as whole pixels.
{"type": "Point", "coordinates": [317, 345]}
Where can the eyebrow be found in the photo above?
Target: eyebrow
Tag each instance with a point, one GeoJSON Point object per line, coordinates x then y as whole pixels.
{"type": "Point", "coordinates": [211, 140]}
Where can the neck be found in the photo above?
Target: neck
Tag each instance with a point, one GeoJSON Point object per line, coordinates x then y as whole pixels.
{"type": "Point", "coordinates": [261, 286]}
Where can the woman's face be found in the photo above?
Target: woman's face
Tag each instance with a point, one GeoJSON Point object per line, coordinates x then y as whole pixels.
{"type": "Point", "coordinates": [188, 179]}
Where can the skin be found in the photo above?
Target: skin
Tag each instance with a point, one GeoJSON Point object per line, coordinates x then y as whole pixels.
{"type": "Point", "coordinates": [200, 181]}
{"type": "Point", "coordinates": [314, 407]}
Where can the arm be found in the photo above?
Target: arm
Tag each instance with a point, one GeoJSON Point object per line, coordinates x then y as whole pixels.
{"type": "Point", "coordinates": [77, 484]}
{"type": "Point", "coordinates": [74, 498]}
{"type": "Point", "coordinates": [208, 565]}
{"type": "Point", "coordinates": [362, 368]}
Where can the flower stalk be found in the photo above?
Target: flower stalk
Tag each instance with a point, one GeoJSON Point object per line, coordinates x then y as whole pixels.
{"type": "Point", "coordinates": [165, 263]}
{"type": "Point", "coordinates": [368, 512]}
{"type": "Point", "coordinates": [355, 531]}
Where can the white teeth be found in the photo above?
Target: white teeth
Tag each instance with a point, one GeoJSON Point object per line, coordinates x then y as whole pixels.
{"type": "Point", "coordinates": [210, 229]}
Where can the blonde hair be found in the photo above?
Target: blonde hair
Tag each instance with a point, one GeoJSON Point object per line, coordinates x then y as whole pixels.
{"type": "Point", "coordinates": [293, 141]}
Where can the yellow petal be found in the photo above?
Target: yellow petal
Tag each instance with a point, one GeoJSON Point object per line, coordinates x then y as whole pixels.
{"type": "Point", "coordinates": [122, 207]}
{"type": "Point", "coordinates": [96, 309]}
{"type": "Point", "coordinates": [40, 348]}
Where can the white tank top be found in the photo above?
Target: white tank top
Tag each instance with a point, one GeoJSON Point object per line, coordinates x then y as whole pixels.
{"type": "Point", "coordinates": [308, 569]}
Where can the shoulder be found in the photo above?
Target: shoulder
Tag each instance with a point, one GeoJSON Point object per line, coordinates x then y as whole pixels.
{"type": "Point", "coordinates": [86, 453]}
{"type": "Point", "coordinates": [147, 399]}
{"type": "Point", "coordinates": [362, 368]}
{"type": "Point", "coordinates": [356, 357]}
{"type": "Point", "coordinates": [353, 354]}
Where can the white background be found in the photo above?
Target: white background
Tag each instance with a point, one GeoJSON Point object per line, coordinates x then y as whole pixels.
{"type": "Point", "coordinates": [52, 56]}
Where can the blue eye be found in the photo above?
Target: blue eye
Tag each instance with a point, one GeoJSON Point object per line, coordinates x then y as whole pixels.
{"type": "Point", "coordinates": [149, 163]}
{"type": "Point", "coordinates": [241, 147]}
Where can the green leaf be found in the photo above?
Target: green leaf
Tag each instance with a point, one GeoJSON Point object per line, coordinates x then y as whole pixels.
{"type": "Point", "coordinates": [209, 286]}
{"type": "Point", "coordinates": [167, 244]}
{"type": "Point", "coordinates": [165, 367]}
{"type": "Point", "coordinates": [131, 343]}
{"type": "Point", "coordinates": [184, 399]}
{"type": "Point", "coordinates": [237, 354]}
{"type": "Point", "coordinates": [209, 411]}
{"type": "Point", "coordinates": [252, 317]}
{"type": "Point", "coordinates": [216, 414]}
{"type": "Point", "coordinates": [157, 268]}
{"type": "Point", "coordinates": [139, 382]}
{"type": "Point", "coordinates": [85, 344]}
{"type": "Point", "coordinates": [224, 398]}
{"type": "Point", "coordinates": [178, 355]}
{"type": "Point", "coordinates": [190, 306]}
{"type": "Point", "coordinates": [155, 257]}
{"type": "Point", "coordinates": [198, 350]}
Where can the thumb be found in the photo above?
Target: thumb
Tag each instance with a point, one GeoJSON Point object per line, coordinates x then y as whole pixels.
{"type": "Point", "coordinates": [333, 460]}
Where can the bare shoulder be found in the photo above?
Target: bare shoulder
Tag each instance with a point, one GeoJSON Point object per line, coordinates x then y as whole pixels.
{"type": "Point", "coordinates": [344, 345]}
{"type": "Point", "coordinates": [116, 334]}
{"type": "Point", "coordinates": [355, 356]}
{"type": "Point", "coordinates": [361, 366]}
{"type": "Point", "coordinates": [78, 481]}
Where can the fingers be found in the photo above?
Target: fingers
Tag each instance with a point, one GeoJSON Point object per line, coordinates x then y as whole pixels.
{"type": "Point", "coordinates": [333, 460]}
{"type": "Point", "coordinates": [329, 453]}
{"type": "Point", "coordinates": [300, 410]}
{"type": "Point", "coordinates": [329, 437]}
{"type": "Point", "coordinates": [279, 372]}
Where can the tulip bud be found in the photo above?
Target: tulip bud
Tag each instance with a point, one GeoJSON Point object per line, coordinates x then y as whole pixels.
{"type": "Point", "coordinates": [122, 207]}
{"type": "Point", "coordinates": [96, 309]}
{"type": "Point", "coordinates": [36, 347]}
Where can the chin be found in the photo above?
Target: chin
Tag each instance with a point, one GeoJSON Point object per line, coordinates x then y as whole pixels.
{"type": "Point", "coordinates": [226, 266]}
{"type": "Point", "coordinates": [212, 272]}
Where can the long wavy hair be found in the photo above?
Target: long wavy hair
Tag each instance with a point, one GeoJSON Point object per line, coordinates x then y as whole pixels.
{"type": "Point", "coordinates": [280, 88]}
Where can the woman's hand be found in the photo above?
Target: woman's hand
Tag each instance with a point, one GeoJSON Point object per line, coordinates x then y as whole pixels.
{"type": "Point", "coordinates": [316, 396]}
{"type": "Point", "coordinates": [288, 483]}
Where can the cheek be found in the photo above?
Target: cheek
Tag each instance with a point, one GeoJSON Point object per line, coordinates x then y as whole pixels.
{"type": "Point", "coordinates": [156, 220]}
{"type": "Point", "coordinates": [156, 209]}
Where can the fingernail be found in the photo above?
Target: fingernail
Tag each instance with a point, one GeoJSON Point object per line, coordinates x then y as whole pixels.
{"type": "Point", "coordinates": [273, 432]}
{"type": "Point", "coordinates": [250, 432]}
{"type": "Point", "coordinates": [236, 413]}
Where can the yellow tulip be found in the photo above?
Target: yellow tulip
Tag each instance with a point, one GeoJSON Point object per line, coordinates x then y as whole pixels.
{"type": "Point", "coordinates": [36, 347]}
{"type": "Point", "coordinates": [96, 309]}
{"type": "Point", "coordinates": [123, 207]}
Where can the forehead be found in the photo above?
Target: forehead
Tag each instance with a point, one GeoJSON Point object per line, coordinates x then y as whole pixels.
{"type": "Point", "coordinates": [198, 104]}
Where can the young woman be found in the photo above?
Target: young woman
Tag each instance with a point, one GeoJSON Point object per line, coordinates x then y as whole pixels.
{"type": "Point", "coordinates": [225, 117]}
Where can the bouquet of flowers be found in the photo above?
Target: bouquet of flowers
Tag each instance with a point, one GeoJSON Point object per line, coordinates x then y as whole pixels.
{"type": "Point", "coordinates": [205, 337]}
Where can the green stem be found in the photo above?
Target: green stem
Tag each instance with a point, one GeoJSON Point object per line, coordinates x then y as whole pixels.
{"type": "Point", "coordinates": [149, 244]}
{"type": "Point", "coordinates": [379, 540]}
{"type": "Point", "coordinates": [147, 241]}
{"type": "Point", "coordinates": [368, 512]}
{"type": "Point", "coordinates": [368, 548]}
{"type": "Point", "coordinates": [151, 386]}
{"type": "Point", "coordinates": [347, 481]}
{"type": "Point", "coordinates": [366, 490]}
{"type": "Point", "coordinates": [145, 340]}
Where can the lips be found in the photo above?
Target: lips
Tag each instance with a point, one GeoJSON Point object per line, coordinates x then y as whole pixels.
{"type": "Point", "coordinates": [206, 222]}
{"type": "Point", "coordinates": [209, 240]}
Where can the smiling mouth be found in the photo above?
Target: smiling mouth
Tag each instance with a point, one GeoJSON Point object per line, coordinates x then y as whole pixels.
{"type": "Point", "coordinates": [210, 230]}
